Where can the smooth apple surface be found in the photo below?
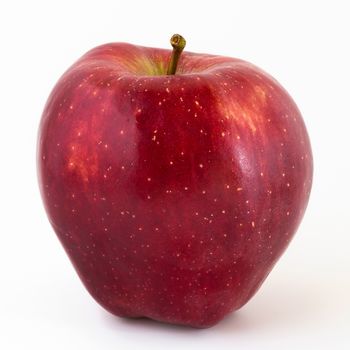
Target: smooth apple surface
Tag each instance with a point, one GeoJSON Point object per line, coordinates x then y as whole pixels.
{"type": "Point", "coordinates": [173, 195]}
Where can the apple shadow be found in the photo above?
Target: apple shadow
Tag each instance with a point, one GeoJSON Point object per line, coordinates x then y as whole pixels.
{"type": "Point", "coordinates": [277, 305]}
{"type": "Point", "coordinates": [147, 324]}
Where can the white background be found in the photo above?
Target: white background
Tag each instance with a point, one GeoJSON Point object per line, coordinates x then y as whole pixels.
{"type": "Point", "coordinates": [304, 304]}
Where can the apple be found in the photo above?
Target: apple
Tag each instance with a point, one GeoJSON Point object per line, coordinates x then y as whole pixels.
{"type": "Point", "coordinates": [173, 187]}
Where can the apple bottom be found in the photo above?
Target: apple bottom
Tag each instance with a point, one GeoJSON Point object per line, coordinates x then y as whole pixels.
{"type": "Point", "coordinates": [201, 312]}
{"type": "Point", "coordinates": [170, 294]}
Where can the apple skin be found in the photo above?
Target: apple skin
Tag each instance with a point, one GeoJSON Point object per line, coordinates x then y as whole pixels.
{"type": "Point", "coordinates": [173, 196]}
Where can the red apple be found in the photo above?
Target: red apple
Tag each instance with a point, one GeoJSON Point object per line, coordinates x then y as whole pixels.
{"type": "Point", "coordinates": [173, 194]}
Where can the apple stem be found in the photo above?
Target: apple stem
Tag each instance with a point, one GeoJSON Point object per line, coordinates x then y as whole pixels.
{"type": "Point", "coordinates": [178, 43]}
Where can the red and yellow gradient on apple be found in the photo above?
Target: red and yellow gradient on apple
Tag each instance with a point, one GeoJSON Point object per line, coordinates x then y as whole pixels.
{"type": "Point", "coordinates": [173, 194]}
